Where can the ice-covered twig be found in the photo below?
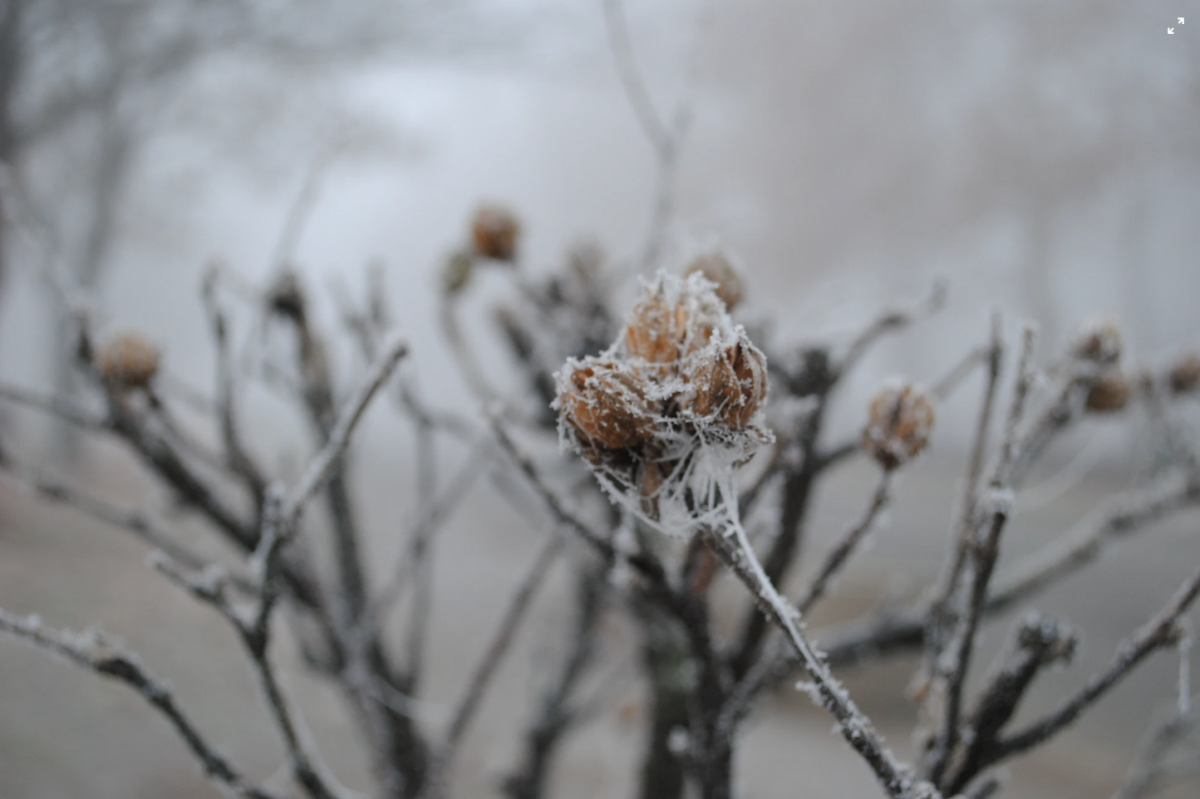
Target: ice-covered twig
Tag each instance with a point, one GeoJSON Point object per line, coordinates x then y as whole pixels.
{"type": "Point", "coordinates": [846, 545]}
{"type": "Point", "coordinates": [324, 464]}
{"type": "Point", "coordinates": [139, 524]}
{"type": "Point", "coordinates": [1123, 516]}
{"type": "Point", "coordinates": [1159, 632]}
{"type": "Point", "coordinates": [98, 652]}
{"type": "Point", "coordinates": [1039, 642]}
{"type": "Point", "coordinates": [992, 511]}
{"type": "Point", "coordinates": [854, 726]}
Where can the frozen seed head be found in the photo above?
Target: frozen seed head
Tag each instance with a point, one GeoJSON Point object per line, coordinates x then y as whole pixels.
{"type": "Point", "coordinates": [898, 426]}
{"type": "Point", "coordinates": [1109, 394]}
{"type": "Point", "coordinates": [127, 361]}
{"type": "Point", "coordinates": [1099, 343]}
{"type": "Point", "coordinates": [656, 328]}
{"type": "Point", "coordinates": [606, 405]}
{"type": "Point", "coordinates": [494, 232]}
{"type": "Point", "coordinates": [1184, 376]}
{"type": "Point", "coordinates": [730, 384]}
{"type": "Point", "coordinates": [716, 267]}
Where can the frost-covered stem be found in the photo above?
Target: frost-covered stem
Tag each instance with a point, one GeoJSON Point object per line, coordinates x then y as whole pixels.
{"type": "Point", "coordinates": [853, 725]}
{"type": "Point", "coordinates": [1038, 643]}
{"type": "Point", "coordinates": [95, 651]}
{"type": "Point", "coordinates": [1125, 516]}
{"type": "Point", "coordinates": [485, 669]}
{"type": "Point", "coordinates": [967, 503]}
{"type": "Point", "coordinates": [327, 460]}
{"type": "Point", "coordinates": [140, 525]}
{"type": "Point", "coordinates": [955, 664]}
{"type": "Point", "coordinates": [1159, 632]}
{"type": "Point", "coordinates": [255, 634]}
{"type": "Point", "coordinates": [846, 545]}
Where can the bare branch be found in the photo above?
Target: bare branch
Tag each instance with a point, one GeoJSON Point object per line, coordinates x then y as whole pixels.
{"type": "Point", "coordinates": [853, 725]}
{"type": "Point", "coordinates": [323, 465]}
{"type": "Point", "coordinates": [1159, 632]}
{"type": "Point", "coordinates": [846, 545]}
{"type": "Point", "coordinates": [143, 527]}
{"type": "Point", "coordinates": [994, 507]}
{"type": "Point", "coordinates": [98, 652]}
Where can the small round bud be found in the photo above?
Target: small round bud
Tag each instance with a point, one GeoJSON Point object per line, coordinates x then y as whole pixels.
{"type": "Point", "coordinates": [1184, 376]}
{"type": "Point", "coordinates": [606, 405]}
{"type": "Point", "coordinates": [1109, 394]}
{"type": "Point", "coordinates": [899, 425]}
{"type": "Point", "coordinates": [127, 361]}
{"type": "Point", "coordinates": [494, 232]}
{"type": "Point", "coordinates": [1099, 343]}
{"type": "Point", "coordinates": [456, 271]}
{"type": "Point", "coordinates": [716, 267]}
{"type": "Point", "coordinates": [731, 384]}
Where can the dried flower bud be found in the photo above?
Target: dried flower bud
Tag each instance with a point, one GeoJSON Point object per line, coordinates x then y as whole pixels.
{"type": "Point", "coordinates": [127, 361]}
{"type": "Point", "coordinates": [456, 272]}
{"type": "Point", "coordinates": [716, 267]}
{"type": "Point", "coordinates": [495, 231]}
{"type": "Point", "coordinates": [1184, 376]}
{"type": "Point", "coordinates": [286, 296]}
{"type": "Point", "coordinates": [1109, 394]}
{"type": "Point", "coordinates": [731, 384]}
{"type": "Point", "coordinates": [899, 425]}
{"type": "Point", "coordinates": [606, 406]}
{"type": "Point", "coordinates": [1099, 343]}
{"type": "Point", "coordinates": [656, 329]}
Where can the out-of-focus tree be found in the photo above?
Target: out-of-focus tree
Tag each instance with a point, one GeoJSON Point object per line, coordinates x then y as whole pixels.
{"type": "Point", "coordinates": [86, 88]}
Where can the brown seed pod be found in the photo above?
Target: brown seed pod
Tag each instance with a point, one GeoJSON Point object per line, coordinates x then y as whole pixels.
{"type": "Point", "coordinates": [655, 329]}
{"type": "Point", "coordinates": [495, 231]}
{"type": "Point", "coordinates": [1099, 343]}
{"type": "Point", "coordinates": [127, 361]}
{"type": "Point", "coordinates": [1184, 376]}
{"type": "Point", "coordinates": [606, 406]}
{"type": "Point", "coordinates": [898, 426]}
{"type": "Point", "coordinates": [717, 268]}
{"type": "Point", "coordinates": [731, 384]}
{"type": "Point", "coordinates": [1109, 394]}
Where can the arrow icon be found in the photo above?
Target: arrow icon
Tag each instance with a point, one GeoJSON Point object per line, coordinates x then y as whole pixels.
{"type": "Point", "coordinates": [1170, 30]}
{"type": "Point", "coordinates": [1180, 20]}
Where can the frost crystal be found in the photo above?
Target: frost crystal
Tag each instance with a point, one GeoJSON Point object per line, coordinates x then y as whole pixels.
{"type": "Point", "coordinates": [666, 415]}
